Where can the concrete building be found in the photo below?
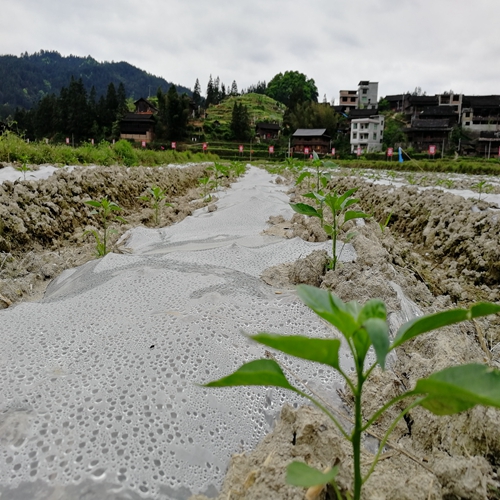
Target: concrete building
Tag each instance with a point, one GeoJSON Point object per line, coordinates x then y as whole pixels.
{"type": "Point", "coordinates": [367, 134]}
{"type": "Point", "coordinates": [348, 99]}
{"type": "Point", "coordinates": [367, 94]}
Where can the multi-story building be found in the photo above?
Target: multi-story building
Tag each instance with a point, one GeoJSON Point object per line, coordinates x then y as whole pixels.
{"type": "Point", "coordinates": [348, 99]}
{"type": "Point", "coordinates": [367, 95]}
{"type": "Point", "coordinates": [367, 134]}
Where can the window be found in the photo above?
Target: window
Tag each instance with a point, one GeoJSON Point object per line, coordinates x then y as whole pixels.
{"type": "Point", "coordinates": [374, 135]}
{"type": "Point", "coordinates": [375, 126]}
{"type": "Point", "coordinates": [354, 135]}
{"type": "Point", "coordinates": [364, 91]}
{"type": "Point", "coordinates": [353, 99]}
{"type": "Point", "coordinates": [467, 124]}
{"type": "Point", "coordinates": [354, 125]}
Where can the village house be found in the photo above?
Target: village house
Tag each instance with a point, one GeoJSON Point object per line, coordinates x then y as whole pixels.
{"type": "Point", "coordinates": [267, 131]}
{"type": "Point", "coordinates": [310, 139]}
{"type": "Point", "coordinates": [139, 125]}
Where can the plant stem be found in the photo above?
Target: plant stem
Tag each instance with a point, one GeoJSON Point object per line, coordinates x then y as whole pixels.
{"type": "Point", "coordinates": [356, 438]}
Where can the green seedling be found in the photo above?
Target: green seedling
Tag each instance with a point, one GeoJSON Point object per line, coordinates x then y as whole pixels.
{"type": "Point", "coordinates": [24, 167]}
{"type": "Point", "coordinates": [446, 392]}
{"type": "Point", "coordinates": [386, 223]}
{"type": "Point", "coordinates": [411, 179]}
{"type": "Point", "coordinates": [218, 171]}
{"type": "Point", "coordinates": [337, 205]}
{"type": "Point", "coordinates": [449, 183]}
{"type": "Point", "coordinates": [482, 187]}
{"type": "Point", "coordinates": [237, 167]}
{"type": "Point", "coordinates": [156, 196]}
{"type": "Point", "coordinates": [104, 209]}
{"type": "Point", "coordinates": [205, 184]}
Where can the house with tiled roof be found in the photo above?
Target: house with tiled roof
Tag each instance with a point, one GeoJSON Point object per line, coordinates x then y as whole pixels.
{"type": "Point", "coordinates": [139, 125]}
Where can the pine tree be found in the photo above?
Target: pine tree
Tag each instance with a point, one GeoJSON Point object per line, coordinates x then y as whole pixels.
{"type": "Point", "coordinates": [240, 122]}
{"type": "Point", "coordinates": [210, 93]}
{"type": "Point", "coordinates": [197, 94]}
{"type": "Point", "coordinates": [234, 88]}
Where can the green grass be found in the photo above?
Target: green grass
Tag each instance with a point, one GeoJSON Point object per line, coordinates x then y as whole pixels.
{"type": "Point", "coordinates": [260, 108]}
{"type": "Point", "coordinates": [14, 149]}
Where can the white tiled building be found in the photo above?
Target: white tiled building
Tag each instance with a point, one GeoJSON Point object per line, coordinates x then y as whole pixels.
{"type": "Point", "coordinates": [367, 134]}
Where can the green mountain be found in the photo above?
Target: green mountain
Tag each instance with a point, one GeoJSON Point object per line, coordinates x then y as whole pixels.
{"type": "Point", "coordinates": [26, 79]}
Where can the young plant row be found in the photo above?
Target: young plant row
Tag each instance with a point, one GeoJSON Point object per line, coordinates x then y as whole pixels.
{"type": "Point", "coordinates": [364, 329]}
{"type": "Point", "coordinates": [106, 210]}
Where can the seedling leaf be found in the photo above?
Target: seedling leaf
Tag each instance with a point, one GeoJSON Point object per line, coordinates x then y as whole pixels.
{"type": "Point", "coordinates": [300, 474]}
{"type": "Point", "coordinates": [355, 214]}
{"type": "Point", "coordinates": [324, 351]}
{"type": "Point", "coordinates": [328, 307]}
{"type": "Point", "coordinates": [259, 372]}
{"type": "Point", "coordinates": [425, 324]}
{"type": "Point", "coordinates": [379, 336]}
{"type": "Point", "coordinates": [459, 388]}
{"type": "Point", "coordinates": [304, 209]}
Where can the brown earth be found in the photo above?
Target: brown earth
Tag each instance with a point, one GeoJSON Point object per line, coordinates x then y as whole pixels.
{"type": "Point", "coordinates": [439, 249]}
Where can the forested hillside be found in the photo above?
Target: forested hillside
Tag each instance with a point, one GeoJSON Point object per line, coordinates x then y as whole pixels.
{"type": "Point", "coordinates": [25, 79]}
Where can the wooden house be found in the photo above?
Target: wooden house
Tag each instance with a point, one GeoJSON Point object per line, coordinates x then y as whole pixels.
{"type": "Point", "coordinates": [314, 139]}
{"type": "Point", "coordinates": [139, 125]}
{"type": "Point", "coordinates": [266, 131]}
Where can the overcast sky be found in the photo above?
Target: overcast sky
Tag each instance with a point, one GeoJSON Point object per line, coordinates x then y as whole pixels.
{"type": "Point", "coordinates": [437, 45]}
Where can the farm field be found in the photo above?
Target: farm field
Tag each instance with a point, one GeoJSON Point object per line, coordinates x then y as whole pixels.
{"type": "Point", "coordinates": [101, 357]}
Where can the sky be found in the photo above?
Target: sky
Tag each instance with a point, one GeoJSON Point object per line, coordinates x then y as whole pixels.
{"type": "Point", "coordinates": [437, 45]}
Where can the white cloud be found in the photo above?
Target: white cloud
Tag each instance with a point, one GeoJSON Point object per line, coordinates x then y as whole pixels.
{"type": "Point", "coordinates": [402, 44]}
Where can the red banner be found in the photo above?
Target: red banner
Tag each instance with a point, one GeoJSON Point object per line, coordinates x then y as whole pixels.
{"type": "Point", "coordinates": [333, 151]}
{"type": "Point", "coordinates": [390, 151]}
{"type": "Point", "coordinates": [241, 148]}
{"type": "Point", "coordinates": [432, 150]}
{"type": "Point", "coordinates": [174, 145]}
{"type": "Point", "coordinates": [205, 146]}
{"type": "Point", "coordinates": [271, 149]}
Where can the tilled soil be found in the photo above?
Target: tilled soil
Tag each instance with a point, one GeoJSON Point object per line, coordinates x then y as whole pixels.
{"type": "Point", "coordinates": [438, 249]}
{"type": "Point", "coordinates": [44, 224]}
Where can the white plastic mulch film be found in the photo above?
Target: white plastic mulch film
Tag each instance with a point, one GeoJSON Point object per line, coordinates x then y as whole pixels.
{"type": "Point", "coordinates": [98, 394]}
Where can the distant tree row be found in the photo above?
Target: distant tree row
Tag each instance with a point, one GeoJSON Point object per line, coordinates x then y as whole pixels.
{"type": "Point", "coordinates": [74, 113]}
{"type": "Point", "coordinates": [173, 115]}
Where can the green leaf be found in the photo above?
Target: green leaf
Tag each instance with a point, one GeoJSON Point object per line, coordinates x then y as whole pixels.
{"type": "Point", "coordinates": [259, 372]}
{"type": "Point", "coordinates": [300, 474]}
{"type": "Point", "coordinates": [93, 203]}
{"type": "Point", "coordinates": [302, 208]}
{"type": "Point", "coordinates": [459, 388]}
{"type": "Point", "coordinates": [346, 195]}
{"type": "Point", "coordinates": [328, 307]}
{"type": "Point", "coordinates": [374, 308]}
{"type": "Point", "coordinates": [350, 202]}
{"type": "Point", "coordinates": [431, 322]}
{"type": "Point", "coordinates": [328, 229]}
{"type": "Point", "coordinates": [302, 176]}
{"type": "Point", "coordinates": [378, 332]}
{"type": "Point", "coordinates": [355, 214]}
{"type": "Point", "coordinates": [315, 156]}
{"type": "Point", "coordinates": [324, 351]}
